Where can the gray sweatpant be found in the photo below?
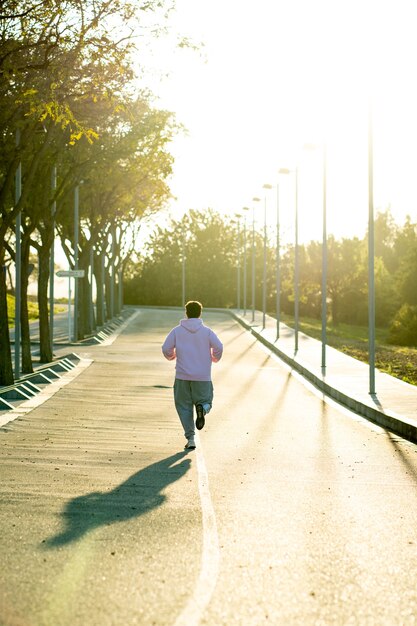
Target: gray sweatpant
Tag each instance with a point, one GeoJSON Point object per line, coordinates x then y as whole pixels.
{"type": "Point", "coordinates": [187, 393]}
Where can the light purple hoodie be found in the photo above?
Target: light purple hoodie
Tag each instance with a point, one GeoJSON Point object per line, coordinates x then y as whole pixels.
{"type": "Point", "coordinates": [195, 347]}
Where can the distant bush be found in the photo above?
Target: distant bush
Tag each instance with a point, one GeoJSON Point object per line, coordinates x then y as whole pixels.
{"type": "Point", "coordinates": [403, 330]}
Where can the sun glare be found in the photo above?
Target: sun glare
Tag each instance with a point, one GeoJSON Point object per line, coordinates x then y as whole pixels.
{"type": "Point", "coordinates": [275, 75]}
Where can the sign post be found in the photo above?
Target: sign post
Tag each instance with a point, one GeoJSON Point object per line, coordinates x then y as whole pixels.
{"type": "Point", "coordinates": [70, 274]}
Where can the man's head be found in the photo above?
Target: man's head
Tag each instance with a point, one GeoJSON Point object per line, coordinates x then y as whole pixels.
{"type": "Point", "coordinates": [193, 308]}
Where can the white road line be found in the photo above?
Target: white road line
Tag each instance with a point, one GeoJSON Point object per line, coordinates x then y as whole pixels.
{"type": "Point", "coordinates": [207, 580]}
{"type": "Point", "coordinates": [45, 394]}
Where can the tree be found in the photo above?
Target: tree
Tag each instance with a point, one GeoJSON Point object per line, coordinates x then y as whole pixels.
{"type": "Point", "coordinates": [65, 73]}
{"type": "Point", "coordinates": [208, 243]}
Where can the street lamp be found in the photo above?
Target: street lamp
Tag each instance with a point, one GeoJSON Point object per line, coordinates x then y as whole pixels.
{"type": "Point", "coordinates": [76, 222]}
{"type": "Point", "coordinates": [255, 199]}
{"type": "Point", "coordinates": [245, 208]}
{"type": "Point", "coordinates": [371, 254]}
{"type": "Point", "coordinates": [278, 270]}
{"type": "Point", "coordinates": [76, 239]}
{"type": "Point", "coordinates": [91, 308]}
{"type": "Point", "coordinates": [266, 186]}
{"type": "Point", "coordinates": [18, 267]}
{"type": "Point", "coordinates": [296, 259]}
{"type": "Point", "coordinates": [324, 266]}
{"type": "Point", "coordinates": [183, 267]}
{"type": "Point", "coordinates": [52, 261]}
{"type": "Point", "coordinates": [238, 217]}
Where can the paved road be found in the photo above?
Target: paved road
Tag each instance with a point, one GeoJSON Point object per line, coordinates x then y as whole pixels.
{"type": "Point", "coordinates": [291, 511]}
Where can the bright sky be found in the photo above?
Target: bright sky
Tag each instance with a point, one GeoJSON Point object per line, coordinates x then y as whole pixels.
{"type": "Point", "coordinates": [277, 74]}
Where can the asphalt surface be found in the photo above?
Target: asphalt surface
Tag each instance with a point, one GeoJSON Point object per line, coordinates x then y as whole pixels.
{"type": "Point", "coordinates": [291, 510]}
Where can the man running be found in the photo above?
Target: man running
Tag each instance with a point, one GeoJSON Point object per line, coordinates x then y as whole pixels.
{"type": "Point", "coordinates": [195, 347]}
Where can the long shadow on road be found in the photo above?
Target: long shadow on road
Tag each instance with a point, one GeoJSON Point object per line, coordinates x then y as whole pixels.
{"type": "Point", "coordinates": [139, 494]}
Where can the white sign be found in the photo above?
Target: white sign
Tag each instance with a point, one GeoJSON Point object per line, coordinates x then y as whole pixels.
{"type": "Point", "coordinates": [71, 273]}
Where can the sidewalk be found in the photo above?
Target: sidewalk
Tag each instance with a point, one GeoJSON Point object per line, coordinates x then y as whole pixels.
{"type": "Point", "coordinates": [394, 406]}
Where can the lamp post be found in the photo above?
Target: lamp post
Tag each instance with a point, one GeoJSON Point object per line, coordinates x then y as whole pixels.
{"type": "Point", "coordinates": [18, 266]}
{"type": "Point", "coordinates": [245, 208]}
{"type": "Point", "coordinates": [371, 252]}
{"type": "Point", "coordinates": [183, 268]}
{"type": "Point", "coordinates": [52, 262]}
{"type": "Point", "coordinates": [76, 226]}
{"type": "Point", "coordinates": [266, 186]}
{"type": "Point", "coordinates": [91, 308]}
{"type": "Point", "coordinates": [278, 270]}
{"type": "Point", "coordinates": [324, 266]}
{"type": "Point", "coordinates": [238, 217]}
{"type": "Point", "coordinates": [255, 199]}
{"type": "Point", "coordinates": [296, 258]}
{"type": "Point", "coordinates": [104, 314]}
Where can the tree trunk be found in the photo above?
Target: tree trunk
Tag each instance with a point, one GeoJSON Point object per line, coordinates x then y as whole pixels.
{"type": "Point", "coordinates": [6, 368]}
{"type": "Point", "coordinates": [84, 294]}
{"type": "Point", "coordinates": [46, 354]}
{"type": "Point", "coordinates": [27, 367]}
{"type": "Point", "coordinates": [98, 273]}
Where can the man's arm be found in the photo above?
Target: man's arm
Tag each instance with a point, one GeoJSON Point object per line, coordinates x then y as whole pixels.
{"type": "Point", "coordinates": [168, 347]}
{"type": "Point", "coordinates": [216, 347]}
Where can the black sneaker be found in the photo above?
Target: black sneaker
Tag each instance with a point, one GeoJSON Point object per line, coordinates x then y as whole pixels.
{"type": "Point", "coordinates": [200, 421]}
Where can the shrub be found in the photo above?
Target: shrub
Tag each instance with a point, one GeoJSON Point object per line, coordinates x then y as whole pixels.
{"type": "Point", "coordinates": [403, 330]}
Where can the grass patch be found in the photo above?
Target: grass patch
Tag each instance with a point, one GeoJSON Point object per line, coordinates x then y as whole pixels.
{"type": "Point", "coordinates": [33, 309]}
{"type": "Point", "coordinates": [353, 340]}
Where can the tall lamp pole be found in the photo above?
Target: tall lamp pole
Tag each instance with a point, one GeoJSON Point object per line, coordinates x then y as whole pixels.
{"type": "Point", "coordinates": [238, 217]}
{"type": "Point", "coordinates": [266, 186]}
{"type": "Point", "coordinates": [296, 267]}
{"type": "Point", "coordinates": [76, 222]}
{"type": "Point", "coordinates": [371, 252]}
{"type": "Point", "coordinates": [91, 308]}
{"type": "Point", "coordinates": [255, 199]}
{"type": "Point", "coordinates": [324, 266]}
{"type": "Point", "coordinates": [245, 208]}
{"type": "Point", "coordinates": [278, 269]}
{"type": "Point", "coordinates": [52, 261]}
{"type": "Point", "coordinates": [18, 267]}
{"type": "Point", "coordinates": [183, 268]}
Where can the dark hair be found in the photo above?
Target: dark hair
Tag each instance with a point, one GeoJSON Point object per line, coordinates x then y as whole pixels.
{"type": "Point", "coordinates": [193, 308]}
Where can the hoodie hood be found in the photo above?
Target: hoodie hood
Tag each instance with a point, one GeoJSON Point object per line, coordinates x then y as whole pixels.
{"type": "Point", "coordinates": [193, 324]}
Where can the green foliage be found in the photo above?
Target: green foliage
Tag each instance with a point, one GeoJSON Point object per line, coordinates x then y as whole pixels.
{"type": "Point", "coordinates": [211, 261]}
{"type": "Point", "coordinates": [33, 310]}
{"type": "Point", "coordinates": [407, 276]}
{"type": "Point", "coordinates": [70, 102]}
{"type": "Point", "coordinates": [209, 245]}
{"type": "Point", "coordinates": [403, 330]}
